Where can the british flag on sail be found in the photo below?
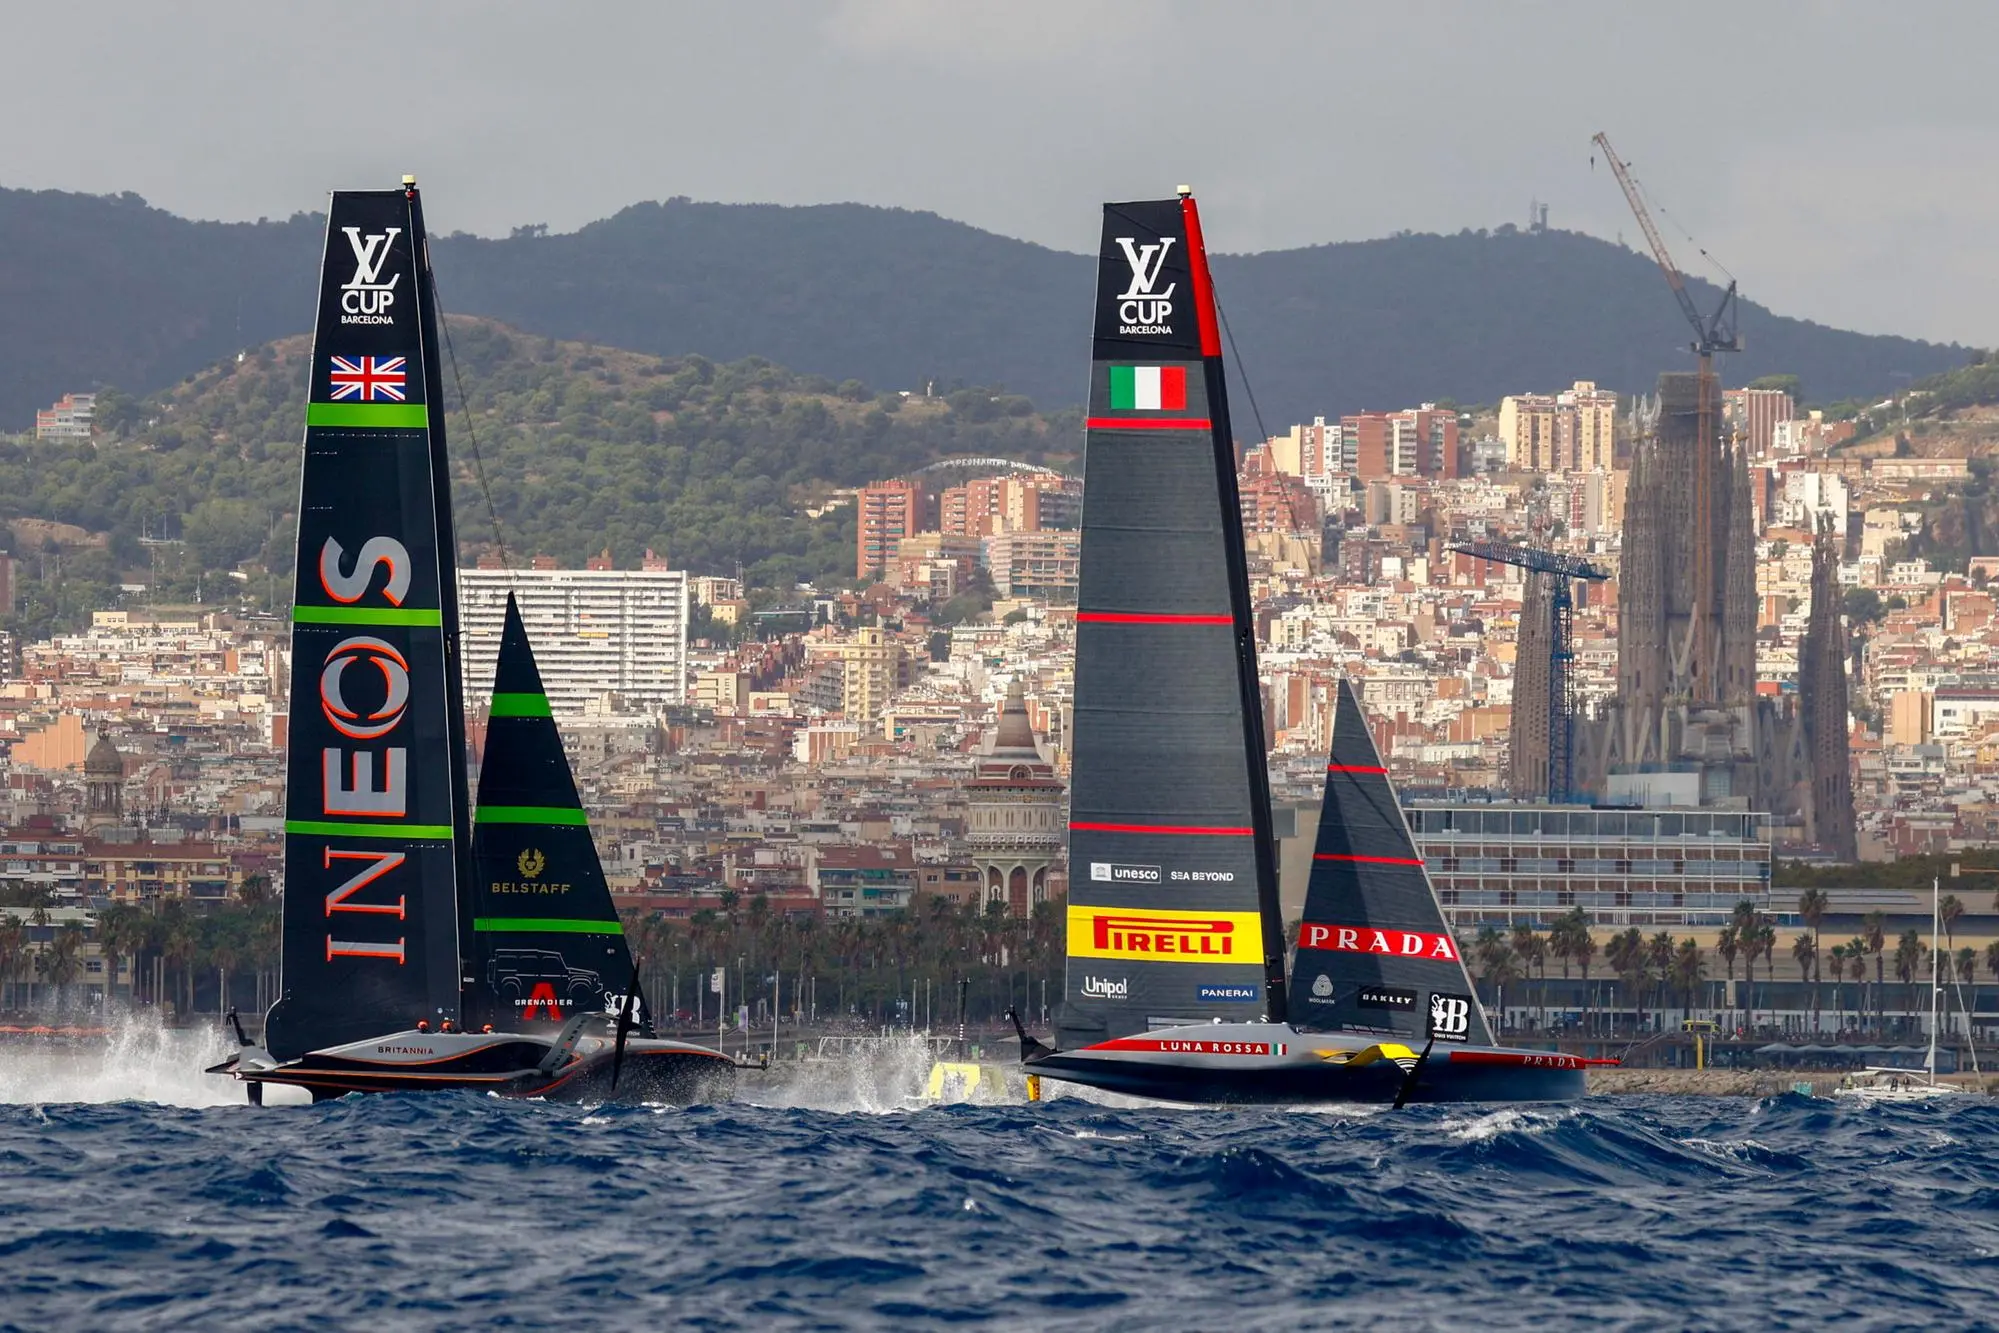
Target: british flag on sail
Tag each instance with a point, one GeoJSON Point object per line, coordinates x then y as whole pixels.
{"type": "Point", "coordinates": [367, 379]}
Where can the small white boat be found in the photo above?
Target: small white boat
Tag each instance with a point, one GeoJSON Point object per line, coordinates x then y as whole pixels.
{"type": "Point", "coordinates": [1882, 1084]}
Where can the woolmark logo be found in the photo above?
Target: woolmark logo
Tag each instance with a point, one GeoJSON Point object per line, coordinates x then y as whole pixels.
{"type": "Point", "coordinates": [1103, 988]}
{"type": "Point", "coordinates": [365, 298]}
{"type": "Point", "coordinates": [1142, 307]}
{"type": "Point", "coordinates": [1450, 1017]}
{"type": "Point", "coordinates": [1112, 872]}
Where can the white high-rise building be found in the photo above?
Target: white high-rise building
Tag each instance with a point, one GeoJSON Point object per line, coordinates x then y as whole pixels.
{"type": "Point", "coordinates": [606, 640]}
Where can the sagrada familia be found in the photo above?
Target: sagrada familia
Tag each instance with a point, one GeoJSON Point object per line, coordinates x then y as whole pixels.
{"type": "Point", "coordinates": [1688, 721]}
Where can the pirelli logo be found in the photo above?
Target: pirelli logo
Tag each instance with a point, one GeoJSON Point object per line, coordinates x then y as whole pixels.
{"type": "Point", "coordinates": [1165, 936]}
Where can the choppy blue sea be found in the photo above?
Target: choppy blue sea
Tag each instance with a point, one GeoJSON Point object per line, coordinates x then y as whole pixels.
{"type": "Point", "coordinates": [462, 1211]}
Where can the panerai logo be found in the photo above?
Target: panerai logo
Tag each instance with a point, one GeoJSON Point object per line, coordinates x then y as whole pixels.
{"type": "Point", "coordinates": [1142, 307]}
{"type": "Point", "coordinates": [1105, 989]}
{"type": "Point", "coordinates": [365, 298]}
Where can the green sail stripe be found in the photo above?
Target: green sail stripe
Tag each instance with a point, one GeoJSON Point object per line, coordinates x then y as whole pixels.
{"type": "Point", "coordinates": [326, 829]}
{"type": "Point", "coordinates": [530, 814]}
{"type": "Point", "coordinates": [367, 615]}
{"type": "Point", "coordinates": [369, 416]}
{"type": "Point", "coordinates": [520, 705]}
{"type": "Point", "coordinates": [531, 925]}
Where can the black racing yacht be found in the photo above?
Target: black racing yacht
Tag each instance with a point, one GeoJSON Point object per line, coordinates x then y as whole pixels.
{"type": "Point", "coordinates": [1176, 985]}
{"type": "Point", "coordinates": [424, 948]}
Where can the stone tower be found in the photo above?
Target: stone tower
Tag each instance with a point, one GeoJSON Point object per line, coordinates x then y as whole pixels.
{"type": "Point", "coordinates": [104, 784]}
{"type": "Point", "coordinates": [1822, 705]}
{"type": "Point", "coordinates": [1014, 813]}
{"type": "Point", "coordinates": [1688, 723]}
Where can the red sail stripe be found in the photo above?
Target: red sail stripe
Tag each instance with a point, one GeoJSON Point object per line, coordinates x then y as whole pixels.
{"type": "Point", "coordinates": [1355, 768]}
{"type": "Point", "coordinates": [1148, 423]}
{"type": "Point", "coordinates": [1204, 292]}
{"type": "Point", "coordinates": [1188, 830]}
{"type": "Point", "coordinates": [1152, 618]}
{"type": "Point", "coordinates": [1369, 860]}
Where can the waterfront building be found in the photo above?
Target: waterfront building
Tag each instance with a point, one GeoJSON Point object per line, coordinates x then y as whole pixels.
{"type": "Point", "coordinates": [1015, 818]}
{"type": "Point", "coordinates": [607, 640]}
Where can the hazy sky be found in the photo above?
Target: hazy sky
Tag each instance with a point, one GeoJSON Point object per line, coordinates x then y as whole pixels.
{"type": "Point", "coordinates": [1837, 157]}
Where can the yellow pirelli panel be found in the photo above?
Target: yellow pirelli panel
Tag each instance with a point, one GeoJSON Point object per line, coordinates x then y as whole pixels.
{"type": "Point", "coordinates": [1153, 935]}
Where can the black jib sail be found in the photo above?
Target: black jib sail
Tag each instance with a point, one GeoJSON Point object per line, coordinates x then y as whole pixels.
{"type": "Point", "coordinates": [1172, 913]}
{"type": "Point", "coordinates": [1374, 953]}
{"type": "Point", "coordinates": [375, 803]}
{"type": "Point", "coordinates": [546, 941]}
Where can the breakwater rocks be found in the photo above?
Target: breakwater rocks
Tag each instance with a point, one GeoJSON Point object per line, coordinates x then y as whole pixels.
{"type": "Point", "coordinates": [1735, 1082]}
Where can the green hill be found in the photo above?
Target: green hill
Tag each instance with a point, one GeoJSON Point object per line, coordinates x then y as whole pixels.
{"type": "Point", "coordinates": [110, 291]}
{"type": "Point", "coordinates": [581, 449]}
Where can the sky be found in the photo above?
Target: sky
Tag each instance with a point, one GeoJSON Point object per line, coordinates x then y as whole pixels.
{"type": "Point", "coordinates": [1835, 156]}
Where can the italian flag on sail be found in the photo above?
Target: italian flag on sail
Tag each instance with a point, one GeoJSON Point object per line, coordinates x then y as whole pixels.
{"type": "Point", "coordinates": [1149, 388]}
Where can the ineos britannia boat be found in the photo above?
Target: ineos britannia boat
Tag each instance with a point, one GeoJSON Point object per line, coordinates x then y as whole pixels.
{"type": "Point", "coordinates": [1176, 983]}
{"type": "Point", "coordinates": [422, 949]}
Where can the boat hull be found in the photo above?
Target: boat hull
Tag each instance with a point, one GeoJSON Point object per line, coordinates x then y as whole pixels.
{"type": "Point", "coordinates": [1274, 1064]}
{"type": "Point", "coordinates": [506, 1064]}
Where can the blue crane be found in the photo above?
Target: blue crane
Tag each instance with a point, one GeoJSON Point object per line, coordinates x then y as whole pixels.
{"type": "Point", "coordinates": [1564, 570]}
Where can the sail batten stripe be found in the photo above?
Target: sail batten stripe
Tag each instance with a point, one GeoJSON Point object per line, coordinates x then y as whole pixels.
{"type": "Point", "coordinates": [1177, 830]}
{"type": "Point", "coordinates": [520, 705]}
{"type": "Point", "coordinates": [1355, 768]}
{"type": "Point", "coordinates": [534, 925]}
{"type": "Point", "coordinates": [1152, 618]}
{"type": "Point", "coordinates": [369, 416]}
{"type": "Point", "coordinates": [320, 828]}
{"type": "Point", "coordinates": [530, 814]}
{"type": "Point", "coordinates": [1148, 423]}
{"type": "Point", "coordinates": [367, 615]}
{"type": "Point", "coordinates": [1368, 860]}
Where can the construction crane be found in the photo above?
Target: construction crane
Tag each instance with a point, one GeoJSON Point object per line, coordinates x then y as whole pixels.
{"type": "Point", "coordinates": [1714, 333]}
{"type": "Point", "coordinates": [1562, 570]}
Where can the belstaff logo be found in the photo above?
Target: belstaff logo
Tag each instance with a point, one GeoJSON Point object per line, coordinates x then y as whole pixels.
{"type": "Point", "coordinates": [365, 298]}
{"type": "Point", "coordinates": [1450, 1017]}
{"type": "Point", "coordinates": [386, 715]}
{"type": "Point", "coordinates": [1142, 307]}
{"type": "Point", "coordinates": [530, 863]}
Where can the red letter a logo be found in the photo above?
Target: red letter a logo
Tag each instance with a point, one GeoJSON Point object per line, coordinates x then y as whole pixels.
{"type": "Point", "coordinates": [542, 997]}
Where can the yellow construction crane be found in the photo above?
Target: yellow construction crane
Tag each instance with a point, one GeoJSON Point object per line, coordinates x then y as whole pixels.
{"type": "Point", "coordinates": [1715, 333]}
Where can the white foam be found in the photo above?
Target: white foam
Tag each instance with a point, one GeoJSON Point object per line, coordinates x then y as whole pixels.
{"type": "Point", "coordinates": [1492, 1124]}
{"type": "Point", "coordinates": [139, 1060]}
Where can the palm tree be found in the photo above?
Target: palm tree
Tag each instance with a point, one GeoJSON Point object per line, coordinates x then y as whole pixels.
{"type": "Point", "coordinates": [1856, 968]}
{"type": "Point", "coordinates": [1965, 973]}
{"type": "Point", "coordinates": [61, 959]}
{"type": "Point", "coordinates": [1532, 951]}
{"type": "Point", "coordinates": [1874, 929]}
{"type": "Point", "coordinates": [13, 944]}
{"type": "Point", "coordinates": [1813, 904]}
{"type": "Point", "coordinates": [1763, 940]}
{"type": "Point", "coordinates": [1583, 949]}
{"type": "Point", "coordinates": [121, 931]}
{"type": "Point", "coordinates": [1909, 952]}
{"type": "Point", "coordinates": [1689, 968]}
{"type": "Point", "coordinates": [1839, 987]}
{"type": "Point", "coordinates": [1568, 934]}
{"type": "Point", "coordinates": [1659, 962]}
{"type": "Point", "coordinates": [1805, 950]}
{"type": "Point", "coordinates": [1729, 946]}
{"type": "Point", "coordinates": [1626, 954]}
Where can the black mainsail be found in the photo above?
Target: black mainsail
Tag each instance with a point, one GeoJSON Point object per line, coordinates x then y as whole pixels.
{"type": "Point", "coordinates": [375, 807]}
{"type": "Point", "coordinates": [1173, 914]}
{"type": "Point", "coordinates": [1375, 955]}
{"type": "Point", "coordinates": [546, 941]}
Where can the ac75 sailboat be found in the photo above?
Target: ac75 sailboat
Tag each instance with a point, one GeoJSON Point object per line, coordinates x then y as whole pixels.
{"type": "Point", "coordinates": [422, 949]}
{"type": "Point", "coordinates": [1176, 984]}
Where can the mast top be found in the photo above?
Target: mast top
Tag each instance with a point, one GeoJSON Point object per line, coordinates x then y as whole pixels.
{"type": "Point", "coordinates": [1183, 190]}
{"type": "Point", "coordinates": [409, 181]}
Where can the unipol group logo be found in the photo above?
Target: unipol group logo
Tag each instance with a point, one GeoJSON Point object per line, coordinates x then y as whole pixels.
{"type": "Point", "coordinates": [1143, 308]}
{"type": "Point", "coordinates": [365, 298]}
{"type": "Point", "coordinates": [1103, 988]}
{"type": "Point", "coordinates": [1450, 1017]}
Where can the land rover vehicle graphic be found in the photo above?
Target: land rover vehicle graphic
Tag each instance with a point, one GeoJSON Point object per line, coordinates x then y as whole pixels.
{"type": "Point", "coordinates": [530, 981]}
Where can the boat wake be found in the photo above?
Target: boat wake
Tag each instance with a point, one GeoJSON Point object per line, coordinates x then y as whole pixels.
{"type": "Point", "coordinates": [140, 1059]}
